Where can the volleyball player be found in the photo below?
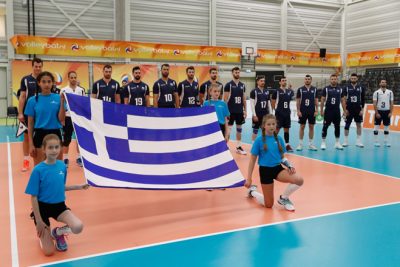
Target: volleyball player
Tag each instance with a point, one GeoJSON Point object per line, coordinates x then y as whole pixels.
{"type": "Point", "coordinates": [205, 87]}
{"type": "Point", "coordinates": [355, 100]}
{"type": "Point", "coordinates": [260, 104]}
{"type": "Point", "coordinates": [234, 95]}
{"type": "Point", "coordinates": [136, 92]}
{"type": "Point", "coordinates": [107, 89]}
{"type": "Point", "coordinates": [383, 102]}
{"type": "Point", "coordinates": [307, 110]}
{"type": "Point", "coordinates": [281, 104]}
{"type": "Point", "coordinates": [188, 90]}
{"type": "Point", "coordinates": [165, 91]}
{"type": "Point", "coordinates": [332, 97]}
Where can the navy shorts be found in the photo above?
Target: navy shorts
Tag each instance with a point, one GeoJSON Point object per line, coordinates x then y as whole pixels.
{"type": "Point", "coordinates": [354, 114]}
{"type": "Point", "coordinates": [384, 118]}
{"type": "Point", "coordinates": [48, 210]}
{"type": "Point", "coordinates": [257, 124]}
{"type": "Point", "coordinates": [268, 174]}
{"type": "Point", "coordinates": [332, 117]}
{"type": "Point", "coordinates": [307, 116]}
{"type": "Point", "coordinates": [238, 118]}
{"type": "Point", "coordinates": [284, 120]}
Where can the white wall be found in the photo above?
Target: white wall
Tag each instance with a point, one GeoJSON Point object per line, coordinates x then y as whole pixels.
{"type": "Point", "coordinates": [372, 25]}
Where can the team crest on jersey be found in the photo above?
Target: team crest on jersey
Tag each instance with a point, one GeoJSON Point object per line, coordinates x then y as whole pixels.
{"type": "Point", "coordinates": [171, 84]}
{"type": "Point", "coordinates": [61, 173]}
{"type": "Point", "coordinates": [112, 86]}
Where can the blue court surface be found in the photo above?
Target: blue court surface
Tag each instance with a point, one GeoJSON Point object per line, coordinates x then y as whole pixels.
{"type": "Point", "coordinates": [351, 238]}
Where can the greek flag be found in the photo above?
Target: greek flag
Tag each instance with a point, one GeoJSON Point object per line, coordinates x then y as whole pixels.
{"type": "Point", "coordinates": [126, 146]}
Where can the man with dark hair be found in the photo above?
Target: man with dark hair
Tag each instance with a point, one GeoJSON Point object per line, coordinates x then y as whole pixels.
{"type": "Point", "coordinates": [307, 110]}
{"type": "Point", "coordinates": [27, 89]}
{"type": "Point", "coordinates": [332, 97]}
{"type": "Point", "coordinates": [234, 95]}
{"type": "Point", "coordinates": [107, 88]}
{"type": "Point", "coordinates": [136, 92]}
{"type": "Point", "coordinates": [188, 90]}
{"type": "Point", "coordinates": [165, 91]}
{"type": "Point", "coordinates": [355, 101]}
{"type": "Point", "coordinates": [281, 104]}
{"type": "Point", "coordinates": [204, 88]}
{"type": "Point", "coordinates": [260, 104]}
{"type": "Point", "coordinates": [383, 101]}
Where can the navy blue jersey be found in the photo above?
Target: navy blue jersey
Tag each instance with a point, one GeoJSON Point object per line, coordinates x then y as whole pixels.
{"type": "Point", "coordinates": [236, 96]}
{"type": "Point", "coordinates": [189, 94]}
{"type": "Point", "coordinates": [261, 98]}
{"type": "Point", "coordinates": [333, 96]}
{"type": "Point", "coordinates": [307, 99]}
{"type": "Point", "coordinates": [165, 91]}
{"type": "Point", "coordinates": [283, 98]}
{"type": "Point", "coordinates": [206, 86]}
{"type": "Point", "coordinates": [355, 96]}
{"type": "Point", "coordinates": [136, 93]}
{"type": "Point", "coordinates": [28, 85]}
{"type": "Point", "coordinates": [106, 91]}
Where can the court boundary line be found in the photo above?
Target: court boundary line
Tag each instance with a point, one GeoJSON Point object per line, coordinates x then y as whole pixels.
{"type": "Point", "coordinates": [13, 225]}
{"type": "Point", "coordinates": [215, 234]}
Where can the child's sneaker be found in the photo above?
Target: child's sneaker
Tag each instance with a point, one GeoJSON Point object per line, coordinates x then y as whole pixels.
{"type": "Point", "coordinates": [285, 202]}
{"type": "Point", "coordinates": [61, 244]}
{"type": "Point", "coordinates": [240, 151]}
{"type": "Point", "coordinates": [252, 188]}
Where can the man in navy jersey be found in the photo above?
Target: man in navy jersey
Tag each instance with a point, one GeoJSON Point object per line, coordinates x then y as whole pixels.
{"type": "Point", "coordinates": [27, 89]}
{"type": "Point", "coordinates": [281, 104]}
{"type": "Point", "coordinates": [188, 90]}
{"type": "Point", "coordinates": [204, 88]}
{"type": "Point", "coordinates": [355, 100]}
{"type": "Point", "coordinates": [107, 89]}
{"type": "Point", "coordinates": [165, 90]}
{"type": "Point", "coordinates": [332, 97]}
{"type": "Point", "coordinates": [136, 92]}
{"type": "Point", "coordinates": [234, 95]}
{"type": "Point", "coordinates": [307, 110]}
{"type": "Point", "coordinates": [259, 102]}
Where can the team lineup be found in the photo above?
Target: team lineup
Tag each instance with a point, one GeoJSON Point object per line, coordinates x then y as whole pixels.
{"type": "Point", "coordinates": [43, 108]}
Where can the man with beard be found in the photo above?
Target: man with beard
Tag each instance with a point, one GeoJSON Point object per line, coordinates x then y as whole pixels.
{"type": "Point", "coordinates": [107, 89]}
{"type": "Point", "coordinates": [165, 91]}
{"type": "Point", "coordinates": [136, 92]}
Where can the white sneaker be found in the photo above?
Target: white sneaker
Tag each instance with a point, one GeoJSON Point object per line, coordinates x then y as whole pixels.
{"type": "Point", "coordinates": [377, 144]}
{"type": "Point", "coordinates": [338, 146]}
{"type": "Point", "coordinates": [252, 188]}
{"type": "Point", "coordinates": [323, 145]}
{"type": "Point", "coordinates": [361, 145]}
{"type": "Point", "coordinates": [387, 144]}
{"type": "Point", "coordinates": [299, 148]}
{"type": "Point", "coordinates": [345, 144]}
{"type": "Point", "coordinates": [240, 151]}
{"type": "Point", "coordinates": [312, 147]}
{"type": "Point", "coordinates": [285, 202]}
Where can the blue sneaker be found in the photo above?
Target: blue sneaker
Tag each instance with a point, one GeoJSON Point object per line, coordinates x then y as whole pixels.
{"type": "Point", "coordinates": [66, 162]}
{"type": "Point", "coordinates": [61, 244]}
{"type": "Point", "coordinates": [79, 162]}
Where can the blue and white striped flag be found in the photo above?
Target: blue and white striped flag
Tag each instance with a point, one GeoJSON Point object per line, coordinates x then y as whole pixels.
{"type": "Point", "coordinates": [149, 148]}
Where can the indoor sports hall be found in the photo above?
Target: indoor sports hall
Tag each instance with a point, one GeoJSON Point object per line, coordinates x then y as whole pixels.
{"type": "Point", "coordinates": [162, 186]}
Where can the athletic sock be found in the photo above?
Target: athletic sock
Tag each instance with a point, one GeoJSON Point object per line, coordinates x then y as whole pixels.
{"type": "Point", "coordinates": [290, 189]}
{"type": "Point", "coordinates": [258, 196]}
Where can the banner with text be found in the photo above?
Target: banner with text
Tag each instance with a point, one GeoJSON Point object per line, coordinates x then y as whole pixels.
{"type": "Point", "coordinates": [59, 69]}
{"type": "Point", "coordinates": [369, 118]}
{"type": "Point", "coordinates": [379, 57]}
{"type": "Point", "coordinates": [40, 45]}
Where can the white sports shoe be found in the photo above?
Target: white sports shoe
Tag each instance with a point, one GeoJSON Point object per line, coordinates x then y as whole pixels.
{"type": "Point", "coordinates": [387, 144]}
{"type": "Point", "coordinates": [299, 148]}
{"type": "Point", "coordinates": [345, 144]}
{"type": "Point", "coordinates": [323, 145]}
{"type": "Point", "coordinates": [338, 146]}
{"type": "Point", "coordinates": [240, 151]}
{"type": "Point", "coordinates": [312, 147]}
{"type": "Point", "coordinates": [286, 203]}
{"type": "Point", "coordinates": [359, 144]}
{"type": "Point", "coordinates": [377, 144]}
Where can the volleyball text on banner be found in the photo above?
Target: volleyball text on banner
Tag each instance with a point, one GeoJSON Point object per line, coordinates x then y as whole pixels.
{"type": "Point", "coordinates": [369, 118]}
{"type": "Point", "coordinates": [148, 148]}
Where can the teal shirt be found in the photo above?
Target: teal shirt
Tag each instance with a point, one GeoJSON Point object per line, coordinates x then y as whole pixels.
{"type": "Point", "coordinates": [47, 182]}
{"type": "Point", "coordinates": [271, 157]}
{"type": "Point", "coordinates": [44, 111]}
{"type": "Point", "coordinates": [220, 108]}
